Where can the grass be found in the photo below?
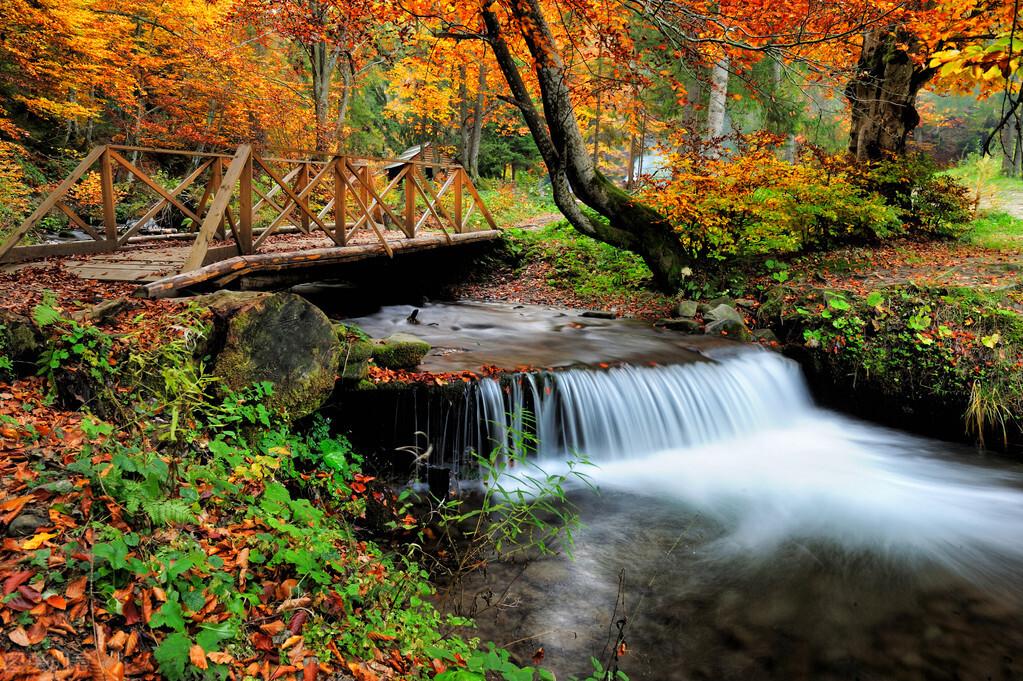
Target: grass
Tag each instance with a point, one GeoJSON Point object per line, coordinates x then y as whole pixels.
{"type": "Point", "coordinates": [584, 265]}
{"type": "Point", "coordinates": [996, 230]}
{"type": "Point", "coordinates": [510, 203]}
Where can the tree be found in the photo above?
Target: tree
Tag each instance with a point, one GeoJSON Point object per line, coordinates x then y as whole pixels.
{"type": "Point", "coordinates": [895, 63]}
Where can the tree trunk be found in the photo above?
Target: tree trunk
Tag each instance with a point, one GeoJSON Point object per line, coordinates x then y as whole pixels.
{"type": "Point", "coordinates": [883, 97]}
{"type": "Point", "coordinates": [347, 83]}
{"type": "Point", "coordinates": [627, 223]}
{"type": "Point", "coordinates": [476, 133]}
{"type": "Point", "coordinates": [716, 102]}
{"type": "Point", "coordinates": [321, 63]}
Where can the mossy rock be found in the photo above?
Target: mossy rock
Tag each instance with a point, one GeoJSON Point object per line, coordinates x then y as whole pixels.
{"type": "Point", "coordinates": [400, 351]}
{"type": "Point", "coordinates": [356, 349]}
{"type": "Point", "coordinates": [280, 338]}
{"type": "Point", "coordinates": [19, 343]}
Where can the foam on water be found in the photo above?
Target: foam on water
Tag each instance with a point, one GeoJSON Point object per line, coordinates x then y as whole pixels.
{"type": "Point", "coordinates": [740, 442]}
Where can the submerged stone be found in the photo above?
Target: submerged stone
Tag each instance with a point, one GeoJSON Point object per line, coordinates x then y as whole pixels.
{"type": "Point", "coordinates": [400, 351]}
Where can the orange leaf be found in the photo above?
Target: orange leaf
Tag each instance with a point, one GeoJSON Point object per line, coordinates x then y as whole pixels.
{"type": "Point", "coordinates": [197, 656]}
{"type": "Point", "coordinates": [19, 637]}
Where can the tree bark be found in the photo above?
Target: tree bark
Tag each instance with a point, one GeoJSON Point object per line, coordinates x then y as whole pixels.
{"type": "Point", "coordinates": [716, 102]}
{"type": "Point", "coordinates": [883, 96]}
{"type": "Point", "coordinates": [623, 221]}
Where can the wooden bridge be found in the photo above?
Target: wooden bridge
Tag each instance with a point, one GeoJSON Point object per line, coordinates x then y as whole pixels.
{"type": "Point", "coordinates": [231, 215]}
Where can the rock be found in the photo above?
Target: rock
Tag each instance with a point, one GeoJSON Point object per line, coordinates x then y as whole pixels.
{"type": "Point", "coordinates": [356, 350]}
{"type": "Point", "coordinates": [27, 523]}
{"type": "Point", "coordinates": [747, 303]}
{"type": "Point", "coordinates": [764, 335]}
{"type": "Point", "coordinates": [720, 300]}
{"type": "Point", "coordinates": [19, 340]}
{"type": "Point", "coordinates": [600, 314]}
{"type": "Point", "coordinates": [280, 338]}
{"type": "Point", "coordinates": [687, 308]}
{"type": "Point", "coordinates": [724, 320]}
{"type": "Point", "coordinates": [687, 325]}
{"type": "Point", "coordinates": [400, 351]}
{"type": "Point", "coordinates": [104, 311]}
{"type": "Point", "coordinates": [722, 312]}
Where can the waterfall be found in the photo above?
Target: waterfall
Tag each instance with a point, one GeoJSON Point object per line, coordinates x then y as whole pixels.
{"type": "Point", "coordinates": [626, 411]}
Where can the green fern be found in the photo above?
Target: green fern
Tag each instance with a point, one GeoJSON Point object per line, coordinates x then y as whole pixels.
{"type": "Point", "coordinates": [168, 511]}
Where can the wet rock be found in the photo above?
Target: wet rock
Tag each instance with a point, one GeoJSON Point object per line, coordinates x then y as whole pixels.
{"type": "Point", "coordinates": [747, 303]}
{"type": "Point", "coordinates": [279, 338]}
{"type": "Point", "coordinates": [764, 335]}
{"type": "Point", "coordinates": [27, 524]}
{"type": "Point", "coordinates": [687, 308]}
{"type": "Point", "coordinates": [722, 312]}
{"type": "Point", "coordinates": [686, 325]}
{"type": "Point", "coordinates": [600, 314]}
{"type": "Point", "coordinates": [400, 351]}
{"type": "Point", "coordinates": [356, 350]}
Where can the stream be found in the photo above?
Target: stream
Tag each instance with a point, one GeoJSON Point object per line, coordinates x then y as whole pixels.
{"type": "Point", "coordinates": [736, 531]}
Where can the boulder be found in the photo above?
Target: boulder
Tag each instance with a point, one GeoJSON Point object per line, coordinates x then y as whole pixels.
{"type": "Point", "coordinates": [400, 351]}
{"type": "Point", "coordinates": [765, 335]}
{"type": "Point", "coordinates": [600, 314]}
{"type": "Point", "coordinates": [724, 320]}
{"type": "Point", "coordinates": [687, 325]}
{"type": "Point", "coordinates": [728, 327]}
{"type": "Point", "coordinates": [746, 303]}
{"type": "Point", "coordinates": [19, 340]}
{"type": "Point", "coordinates": [687, 309]}
{"type": "Point", "coordinates": [722, 312]}
{"type": "Point", "coordinates": [280, 338]}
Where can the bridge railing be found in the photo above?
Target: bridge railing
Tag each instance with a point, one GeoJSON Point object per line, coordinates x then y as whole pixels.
{"type": "Point", "coordinates": [248, 197]}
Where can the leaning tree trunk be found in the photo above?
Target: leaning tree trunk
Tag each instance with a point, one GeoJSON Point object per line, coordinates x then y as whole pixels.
{"type": "Point", "coordinates": [883, 96]}
{"type": "Point", "coordinates": [624, 222]}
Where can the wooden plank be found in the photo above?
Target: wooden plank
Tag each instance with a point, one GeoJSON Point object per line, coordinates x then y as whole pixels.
{"type": "Point", "coordinates": [106, 175]}
{"type": "Point", "coordinates": [300, 185]}
{"type": "Point", "coordinates": [409, 225]}
{"type": "Point", "coordinates": [340, 202]}
{"type": "Point", "coordinates": [245, 208]}
{"type": "Point", "coordinates": [373, 204]}
{"type": "Point", "coordinates": [369, 219]}
{"type": "Point", "coordinates": [308, 189]}
{"type": "Point", "coordinates": [159, 205]}
{"type": "Point", "coordinates": [50, 201]}
{"type": "Point", "coordinates": [380, 201]}
{"type": "Point", "coordinates": [180, 152]}
{"type": "Point", "coordinates": [23, 253]}
{"type": "Point", "coordinates": [268, 197]}
{"type": "Point", "coordinates": [216, 213]}
{"type": "Point", "coordinates": [457, 186]}
{"type": "Point", "coordinates": [436, 206]}
{"type": "Point", "coordinates": [479, 202]}
{"type": "Point", "coordinates": [148, 181]}
{"type": "Point", "coordinates": [291, 194]}
{"type": "Point", "coordinates": [275, 262]}
{"type": "Point", "coordinates": [78, 221]}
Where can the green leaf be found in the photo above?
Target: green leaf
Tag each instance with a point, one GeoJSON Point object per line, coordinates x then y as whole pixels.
{"type": "Point", "coordinates": [875, 298]}
{"type": "Point", "coordinates": [212, 634]}
{"type": "Point", "coordinates": [170, 616]}
{"type": "Point", "coordinates": [991, 341]}
{"type": "Point", "coordinates": [172, 656]}
{"type": "Point", "coordinates": [459, 675]}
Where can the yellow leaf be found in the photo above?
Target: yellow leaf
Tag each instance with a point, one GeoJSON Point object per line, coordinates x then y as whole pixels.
{"type": "Point", "coordinates": [38, 540]}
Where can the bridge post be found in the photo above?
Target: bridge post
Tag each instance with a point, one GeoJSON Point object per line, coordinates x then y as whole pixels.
{"type": "Point", "coordinates": [300, 185]}
{"type": "Point", "coordinates": [410, 200]}
{"type": "Point", "coordinates": [457, 187]}
{"type": "Point", "coordinates": [106, 174]}
{"type": "Point", "coordinates": [244, 235]}
{"type": "Point", "coordinates": [340, 200]}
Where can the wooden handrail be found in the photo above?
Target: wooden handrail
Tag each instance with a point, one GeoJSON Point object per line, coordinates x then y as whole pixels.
{"type": "Point", "coordinates": [316, 194]}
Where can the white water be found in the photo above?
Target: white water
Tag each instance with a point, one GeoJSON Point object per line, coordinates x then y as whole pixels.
{"type": "Point", "coordinates": [739, 442]}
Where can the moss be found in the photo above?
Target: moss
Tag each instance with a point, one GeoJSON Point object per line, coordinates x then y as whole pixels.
{"type": "Point", "coordinates": [935, 351]}
{"type": "Point", "coordinates": [287, 341]}
{"type": "Point", "coordinates": [400, 351]}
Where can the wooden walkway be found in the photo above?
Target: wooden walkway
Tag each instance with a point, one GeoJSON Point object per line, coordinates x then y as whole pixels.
{"type": "Point", "coordinates": [232, 215]}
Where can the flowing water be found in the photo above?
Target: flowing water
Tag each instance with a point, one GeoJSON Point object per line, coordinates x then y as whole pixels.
{"type": "Point", "coordinates": [740, 532]}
